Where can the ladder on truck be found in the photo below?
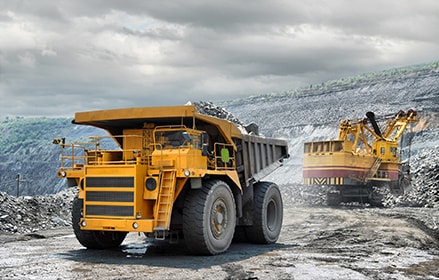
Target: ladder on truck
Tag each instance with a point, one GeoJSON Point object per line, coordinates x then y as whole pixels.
{"type": "Point", "coordinates": [373, 169]}
{"type": "Point", "coordinates": [164, 203]}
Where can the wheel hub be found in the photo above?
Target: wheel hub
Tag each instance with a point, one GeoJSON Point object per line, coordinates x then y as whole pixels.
{"type": "Point", "coordinates": [271, 215]}
{"type": "Point", "coordinates": [218, 219]}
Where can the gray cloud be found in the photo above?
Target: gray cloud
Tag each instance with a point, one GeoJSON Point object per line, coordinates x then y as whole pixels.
{"type": "Point", "coordinates": [65, 56]}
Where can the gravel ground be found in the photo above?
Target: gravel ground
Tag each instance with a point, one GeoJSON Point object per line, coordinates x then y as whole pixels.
{"type": "Point", "coordinates": [316, 242]}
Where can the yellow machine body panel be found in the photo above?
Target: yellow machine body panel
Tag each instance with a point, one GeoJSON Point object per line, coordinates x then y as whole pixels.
{"type": "Point", "coordinates": [341, 167]}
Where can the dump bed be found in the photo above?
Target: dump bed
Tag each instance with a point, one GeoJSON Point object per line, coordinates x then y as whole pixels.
{"type": "Point", "coordinates": [262, 155]}
{"type": "Point", "coordinates": [116, 120]}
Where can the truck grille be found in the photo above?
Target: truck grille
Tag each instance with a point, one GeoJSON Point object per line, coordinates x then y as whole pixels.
{"type": "Point", "coordinates": [103, 210]}
{"type": "Point", "coordinates": [100, 201]}
{"type": "Point", "coordinates": [110, 182]}
{"type": "Point", "coordinates": [110, 196]}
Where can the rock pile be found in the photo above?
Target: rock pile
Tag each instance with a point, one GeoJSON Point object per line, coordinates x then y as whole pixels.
{"type": "Point", "coordinates": [299, 194]}
{"type": "Point", "coordinates": [29, 214]}
{"type": "Point", "coordinates": [424, 191]}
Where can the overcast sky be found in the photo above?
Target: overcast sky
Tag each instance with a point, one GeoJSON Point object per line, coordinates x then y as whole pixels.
{"type": "Point", "coordinates": [59, 57]}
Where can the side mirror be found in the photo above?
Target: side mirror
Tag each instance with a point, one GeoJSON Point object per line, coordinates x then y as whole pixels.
{"type": "Point", "coordinates": [204, 149]}
{"type": "Point", "coordinates": [186, 136]}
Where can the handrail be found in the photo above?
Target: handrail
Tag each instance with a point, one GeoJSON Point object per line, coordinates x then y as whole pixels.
{"type": "Point", "coordinates": [72, 157]}
{"type": "Point", "coordinates": [77, 155]}
{"type": "Point", "coordinates": [92, 153]}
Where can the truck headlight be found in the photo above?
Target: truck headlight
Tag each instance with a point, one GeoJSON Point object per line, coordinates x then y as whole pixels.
{"type": "Point", "coordinates": [150, 184]}
{"type": "Point", "coordinates": [187, 173]}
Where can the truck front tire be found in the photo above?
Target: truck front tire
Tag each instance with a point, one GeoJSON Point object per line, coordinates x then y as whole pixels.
{"type": "Point", "coordinates": [93, 239]}
{"type": "Point", "coordinates": [209, 218]}
{"type": "Point", "coordinates": [267, 214]}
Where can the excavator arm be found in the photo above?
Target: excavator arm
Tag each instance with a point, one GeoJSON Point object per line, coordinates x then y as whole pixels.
{"type": "Point", "coordinates": [396, 127]}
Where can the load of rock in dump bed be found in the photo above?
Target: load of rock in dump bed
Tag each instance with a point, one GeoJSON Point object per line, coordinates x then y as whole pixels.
{"type": "Point", "coordinates": [210, 109]}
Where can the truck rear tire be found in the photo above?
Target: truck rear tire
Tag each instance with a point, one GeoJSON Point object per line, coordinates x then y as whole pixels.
{"type": "Point", "coordinates": [209, 218]}
{"type": "Point", "coordinates": [267, 214]}
{"type": "Point", "coordinates": [93, 239]}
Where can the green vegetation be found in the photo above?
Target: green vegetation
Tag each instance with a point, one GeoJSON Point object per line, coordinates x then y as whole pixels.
{"type": "Point", "coordinates": [357, 81]}
{"type": "Point", "coordinates": [20, 134]}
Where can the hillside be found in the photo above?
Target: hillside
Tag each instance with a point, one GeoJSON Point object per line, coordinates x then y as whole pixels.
{"type": "Point", "coordinates": [26, 150]}
{"type": "Point", "coordinates": [297, 115]}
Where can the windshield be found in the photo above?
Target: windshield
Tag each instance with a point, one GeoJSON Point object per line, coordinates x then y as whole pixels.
{"type": "Point", "coordinates": [177, 138]}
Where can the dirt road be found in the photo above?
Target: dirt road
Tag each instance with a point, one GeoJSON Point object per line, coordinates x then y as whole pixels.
{"type": "Point", "coordinates": [315, 243]}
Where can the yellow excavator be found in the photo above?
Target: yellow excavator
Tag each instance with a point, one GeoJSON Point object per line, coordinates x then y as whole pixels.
{"type": "Point", "coordinates": [362, 163]}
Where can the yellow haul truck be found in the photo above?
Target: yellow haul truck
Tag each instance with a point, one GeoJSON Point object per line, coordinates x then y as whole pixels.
{"type": "Point", "coordinates": [174, 174]}
{"type": "Point", "coordinates": [362, 162]}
